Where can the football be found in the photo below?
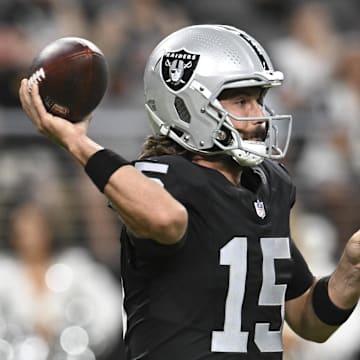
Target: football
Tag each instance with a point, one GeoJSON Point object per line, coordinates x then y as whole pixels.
{"type": "Point", "coordinates": [72, 74]}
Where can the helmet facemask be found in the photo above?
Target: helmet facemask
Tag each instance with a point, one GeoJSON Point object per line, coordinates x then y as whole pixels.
{"type": "Point", "coordinates": [265, 143]}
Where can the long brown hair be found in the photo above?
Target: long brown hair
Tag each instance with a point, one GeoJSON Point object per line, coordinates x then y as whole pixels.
{"type": "Point", "coordinates": [156, 145]}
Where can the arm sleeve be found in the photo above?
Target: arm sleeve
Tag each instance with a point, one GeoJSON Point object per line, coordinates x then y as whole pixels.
{"type": "Point", "coordinates": [149, 249]}
{"type": "Point", "coordinates": [302, 277]}
{"type": "Point", "coordinates": [167, 171]}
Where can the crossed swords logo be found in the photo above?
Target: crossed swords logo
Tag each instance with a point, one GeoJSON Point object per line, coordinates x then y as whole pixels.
{"type": "Point", "coordinates": [177, 68]}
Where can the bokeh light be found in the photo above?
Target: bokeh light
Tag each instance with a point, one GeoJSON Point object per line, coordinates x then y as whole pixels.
{"type": "Point", "coordinates": [74, 340]}
{"type": "Point", "coordinates": [6, 350]}
{"type": "Point", "coordinates": [59, 277]}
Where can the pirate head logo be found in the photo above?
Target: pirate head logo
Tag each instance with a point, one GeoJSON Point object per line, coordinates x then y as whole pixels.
{"type": "Point", "coordinates": [177, 68]}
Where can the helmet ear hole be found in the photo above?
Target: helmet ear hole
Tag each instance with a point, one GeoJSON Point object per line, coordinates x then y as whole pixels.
{"type": "Point", "coordinates": [223, 135]}
{"type": "Point", "coordinates": [177, 131]}
{"type": "Point", "coordinates": [182, 110]}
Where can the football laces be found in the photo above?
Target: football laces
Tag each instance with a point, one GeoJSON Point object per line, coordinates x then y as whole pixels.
{"type": "Point", "coordinates": [36, 78]}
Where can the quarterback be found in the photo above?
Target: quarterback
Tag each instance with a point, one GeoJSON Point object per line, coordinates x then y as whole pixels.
{"type": "Point", "coordinates": [209, 268]}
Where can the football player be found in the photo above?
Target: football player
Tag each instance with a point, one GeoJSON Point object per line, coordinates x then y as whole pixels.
{"type": "Point", "coordinates": [209, 268]}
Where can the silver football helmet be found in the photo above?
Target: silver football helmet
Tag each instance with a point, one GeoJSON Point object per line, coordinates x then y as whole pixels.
{"type": "Point", "coordinates": [187, 72]}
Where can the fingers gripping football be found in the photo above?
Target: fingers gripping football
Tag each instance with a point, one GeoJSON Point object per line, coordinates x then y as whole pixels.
{"type": "Point", "coordinates": [55, 128]}
{"type": "Point", "coordinates": [32, 107]}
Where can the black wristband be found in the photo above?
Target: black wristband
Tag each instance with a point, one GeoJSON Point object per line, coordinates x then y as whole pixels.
{"type": "Point", "coordinates": [102, 165]}
{"type": "Point", "coordinates": [324, 308]}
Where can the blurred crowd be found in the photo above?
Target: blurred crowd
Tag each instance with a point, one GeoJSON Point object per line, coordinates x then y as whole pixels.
{"type": "Point", "coordinates": [59, 241]}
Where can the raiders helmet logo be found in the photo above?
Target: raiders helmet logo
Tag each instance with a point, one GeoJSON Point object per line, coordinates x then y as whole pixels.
{"type": "Point", "coordinates": [177, 68]}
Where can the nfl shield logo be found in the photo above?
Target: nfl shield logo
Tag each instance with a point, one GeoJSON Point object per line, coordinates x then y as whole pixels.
{"type": "Point", "coordinates": [260, 208]}
{"type": "Point", "coordinates": [177, 67]}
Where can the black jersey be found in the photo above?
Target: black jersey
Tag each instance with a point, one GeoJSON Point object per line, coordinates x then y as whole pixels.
{"type": "Point", "coordinates": [218, 293]}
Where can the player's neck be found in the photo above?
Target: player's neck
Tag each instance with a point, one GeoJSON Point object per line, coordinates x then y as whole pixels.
{"type": "Point", "coordinates": [229, 169]}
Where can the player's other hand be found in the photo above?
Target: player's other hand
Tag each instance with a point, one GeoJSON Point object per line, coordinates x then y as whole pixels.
{"type": "Point", "coordinates": [57, 129]}
{"type": "Point", "coordinates": [352, 250]}
{"type": "Point", "coordinates": [344, 285]}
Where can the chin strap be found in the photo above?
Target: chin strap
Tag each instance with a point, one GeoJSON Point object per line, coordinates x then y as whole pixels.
{"type": "Point", "coordinates": [253, 156]}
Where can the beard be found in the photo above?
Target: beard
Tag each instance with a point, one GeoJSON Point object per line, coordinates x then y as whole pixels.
{"type": "Point", "coordinates": [258, 134]}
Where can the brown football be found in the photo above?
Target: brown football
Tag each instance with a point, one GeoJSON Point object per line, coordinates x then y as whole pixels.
{"type": "Point", "coordinates": [72, 74]}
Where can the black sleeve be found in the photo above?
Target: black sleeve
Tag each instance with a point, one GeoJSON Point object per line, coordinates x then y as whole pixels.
{"type": "Point", "coordinates": [302, 277]}
{"type": "Point", "coordinates": [170, 172]}
{"type": "Point", "coordinates": [288, 179]}
{"type": "Point", "coordinates": [150, 249]}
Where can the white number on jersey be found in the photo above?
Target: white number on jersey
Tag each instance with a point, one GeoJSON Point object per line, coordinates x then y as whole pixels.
{"type": "Point", "coordinates": [232, 338]}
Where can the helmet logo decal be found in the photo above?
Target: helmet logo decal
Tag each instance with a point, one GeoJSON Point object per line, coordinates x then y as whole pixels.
{"type": "Point", "coordinates": [177, 67]}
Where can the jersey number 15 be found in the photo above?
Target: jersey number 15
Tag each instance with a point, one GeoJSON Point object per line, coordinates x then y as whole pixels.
{"type": "Point", "coordinates": [232, 338]}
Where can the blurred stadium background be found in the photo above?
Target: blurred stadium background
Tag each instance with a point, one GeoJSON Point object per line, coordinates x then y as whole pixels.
{"type": "Point", "coordinates": [60, 294]}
